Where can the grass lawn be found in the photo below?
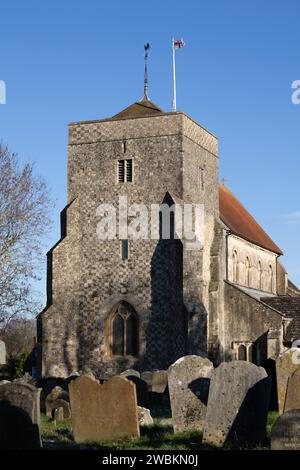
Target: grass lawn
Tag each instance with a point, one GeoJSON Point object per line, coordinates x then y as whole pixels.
{"type": "Point", "coordinates": [159, 436]}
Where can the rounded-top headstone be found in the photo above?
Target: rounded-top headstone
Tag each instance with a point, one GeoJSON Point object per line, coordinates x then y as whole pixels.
{"type": "Point", "coordinates": [237, 404]}
{"type": "Point", "coordinates": [188, 381]}
{"type": "Point", "coordinates": [292, 401]}
{"type": "Point", "coordinates": [285, 434]}
{"type": "Point", "coordinates": [19, 416]}
{"type": "Point", "coordinates": [286, 364]}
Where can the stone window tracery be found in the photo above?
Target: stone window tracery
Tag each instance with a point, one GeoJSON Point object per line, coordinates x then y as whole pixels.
{"type": "Point", "coordinates": [122, 331]}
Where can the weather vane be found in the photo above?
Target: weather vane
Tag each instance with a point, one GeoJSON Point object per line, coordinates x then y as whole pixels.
{"type": "Point", "coordinates": [146, 48]}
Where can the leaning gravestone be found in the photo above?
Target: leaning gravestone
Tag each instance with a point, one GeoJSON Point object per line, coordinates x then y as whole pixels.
{"type": "Point", "coordinates": [292, 401]}
{"type": "Point", "coordinates": [286, 364]}
{"type": "Point", "coordinates": [188, 380]}
{"type": "Point", "coordinates": [103, 412]}
{"type": "Point", "coordinates": [19, 416]}
{"type": "Point", "coordinates": [2, 353]}
{"type": "Point", "coordinates": [238, 403]}
{"type": "Point", "coordinates": [285, 434]}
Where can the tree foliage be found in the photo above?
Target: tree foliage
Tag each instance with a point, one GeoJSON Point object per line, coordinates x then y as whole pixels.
{"type": "Point", "coordinates": [24, 220]}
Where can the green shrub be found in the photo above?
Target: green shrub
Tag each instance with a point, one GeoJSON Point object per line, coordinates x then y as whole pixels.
{"type": "Point", "coordinates": [16, 366]}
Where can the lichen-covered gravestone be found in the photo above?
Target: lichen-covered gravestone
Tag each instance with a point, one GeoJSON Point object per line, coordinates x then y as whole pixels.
{"type": "Point", "coordinates": [188, 381]}
{"type": "Point", "coordinates": [238, 403]}
{"type": "Point", "coordinates": [2, 353]}
{"type": "Point", "coordinates": [286, 364]}
{"type": "Point", "coordinates": [103, 412]}
{"type": "Point", "coordinates": [292, 401]}
{"type": "Point", "coordinates": [285, 433]}
{"type": "Point", "coordinates": [19, 416]}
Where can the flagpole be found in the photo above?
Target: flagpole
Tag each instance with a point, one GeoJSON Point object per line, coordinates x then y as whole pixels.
{"type": "Point", "coordinates": [174, 77]}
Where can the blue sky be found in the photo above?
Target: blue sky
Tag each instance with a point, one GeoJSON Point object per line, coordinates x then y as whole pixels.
{"type": "Point", "coordinates": [65, 61]}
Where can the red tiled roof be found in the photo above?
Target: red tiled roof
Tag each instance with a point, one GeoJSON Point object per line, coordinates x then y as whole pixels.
{"type": "Point", "coordinates": [241, 223]}
{"type": "Point", "coordinates": [139, 109]}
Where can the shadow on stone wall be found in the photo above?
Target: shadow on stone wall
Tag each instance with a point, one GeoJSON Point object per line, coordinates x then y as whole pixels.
{"type": "Point", "coordinates": [166, 331]}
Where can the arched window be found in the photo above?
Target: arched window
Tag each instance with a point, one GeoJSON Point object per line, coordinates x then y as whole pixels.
{"type": "Point", "coordinates": [247, 279]}
{"type": "Point", "coordinates": [271, 281]}
{"type": "Point", "coordinates": [260, 272]}
{"type": "Point", "coordinates": [235, 274]}
{"type": "Point", "coordinates": [123, 330]}
{"type": "Point", "coordinates": [242, 353]}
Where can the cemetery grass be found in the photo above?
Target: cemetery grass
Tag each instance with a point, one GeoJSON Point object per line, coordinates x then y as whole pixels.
{"type": "Point", "coordinates": [159, 436]}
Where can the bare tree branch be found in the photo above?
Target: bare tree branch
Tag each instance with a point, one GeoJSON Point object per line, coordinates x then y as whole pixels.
{"type": "Point", "coordinates": [24, 219]}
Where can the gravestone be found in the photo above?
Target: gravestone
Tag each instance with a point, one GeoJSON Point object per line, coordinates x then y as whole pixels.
{"type": "Point", "coordinates": [58, 403]}
{"type": "Point", "coordinates": [103, 412]}
{"type": "Point", "coordinates": [57, 398]}
{"type": "Point", "coordinates": [286, 364]}
{"type": "Point", "coordinates": [2, 353]}
{"type": "Point", "coordinates": [238, 404]}
{"type": "Point", "coordinates": [58, 414]}
{"type": "Point", "coordinates": [292, 401]}
{"type": "Point", "coordinates": [188, 381]}
{"type": "Point", "coordinates": [19, 416]}
{"type": "Point", "coordinates": [130, 373]}
{"type": "Point", "coordinates": [141, 386]}
{"type": "Point", "coordinates": [159, 381]}
{"type": "Point", "coordinates": [145, 418]}
{"type": "Point", "coordinates": [285, 434]}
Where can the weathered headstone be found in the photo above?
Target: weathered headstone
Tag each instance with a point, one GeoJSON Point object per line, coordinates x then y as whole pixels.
{"type": "Point", "coordinates": [286, 364]}
{"type": "Point", "coordinates": [285, 434]}
{"type": "Point", "coordinates": [237, 405]}
{"type": "Point", "coordinates": [59, 414]}
{"type": "Point", "coordinates": [57, 398]}
{"type": "Point", "coordinates": [103, 412]}
{"type": "Point", "coordinates": [58, 403]}
{"type": "Point", "coordinates": [292, 401]}
{"type": "Point", "coordinates": [145, 418]}
{"type": "Point", "coordinates": [57, 393]}
{"type": "Point", "coordinates": [19, 416]}
{"type": "Point", "coordinates": [130, 373]}
{"type": "Point", "coordinates": [159, 381]}
{"type": "Point", "coordinates": [188, 380]}
{"type": "Point", "coordinates": [2, 353]}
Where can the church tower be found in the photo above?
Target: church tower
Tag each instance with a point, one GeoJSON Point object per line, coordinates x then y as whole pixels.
{"type": "Point", "coordinates": [119, 303]}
